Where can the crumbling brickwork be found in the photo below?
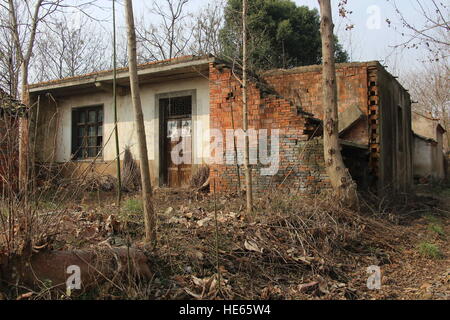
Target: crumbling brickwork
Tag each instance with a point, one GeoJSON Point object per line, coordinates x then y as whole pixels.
{"type": "Point", "coordinates": [301, 157]}
{"type": "Point", "coordinates": [291, 100]}
{"type": "Point", "coordinates": [303, 86]}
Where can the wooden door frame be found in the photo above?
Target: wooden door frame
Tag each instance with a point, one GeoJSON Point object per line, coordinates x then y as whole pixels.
{"type": "Point", "coordinates": [162, 116]}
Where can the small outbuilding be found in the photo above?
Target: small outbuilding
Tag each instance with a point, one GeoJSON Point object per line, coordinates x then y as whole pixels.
{"type": "Point", "coordinates": [429, 154]}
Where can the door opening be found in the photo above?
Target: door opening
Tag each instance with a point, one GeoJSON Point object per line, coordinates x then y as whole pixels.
{"type": "Point", "coordinates": [176, 141]}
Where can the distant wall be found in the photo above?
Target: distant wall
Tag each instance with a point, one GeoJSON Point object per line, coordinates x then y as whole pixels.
{"type": "Point", "coordinates": [424, 126]}
{"type": "Point", "coordinates": [429, 160]}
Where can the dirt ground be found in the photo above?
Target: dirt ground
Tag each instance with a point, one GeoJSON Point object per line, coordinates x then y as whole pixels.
{"type": "Point", "coordinates": [293, 248]}
{"type": "Point", "coordinates": [408, 273]}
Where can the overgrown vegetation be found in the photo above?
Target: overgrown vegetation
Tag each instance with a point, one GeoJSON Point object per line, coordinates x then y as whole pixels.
{"type": "Point", "coordinates": [296, 248]}
{"type": "Point", "coordinates": [430, 250]}
{"type": "Point", "coordinates": [132, 206]}
{"type": "Point", "coordinates": [435, 225]}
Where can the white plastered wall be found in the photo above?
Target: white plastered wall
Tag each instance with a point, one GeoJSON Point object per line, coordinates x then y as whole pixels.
{"type": "Point", "coordinates": [127, 132]}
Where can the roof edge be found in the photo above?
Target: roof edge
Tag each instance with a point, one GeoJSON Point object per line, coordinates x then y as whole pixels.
{"type": "Point", "coordinates": [318, 67]}
{"type": "Point", "coordinates": [431, 140]}
{"type": "Point", "coordinates": [36, 87]}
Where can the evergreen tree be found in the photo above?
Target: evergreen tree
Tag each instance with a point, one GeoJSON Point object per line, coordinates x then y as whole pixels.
{"type": "Point", "coordinates": [280, 35]}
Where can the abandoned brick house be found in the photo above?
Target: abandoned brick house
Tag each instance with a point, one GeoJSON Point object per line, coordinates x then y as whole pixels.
{"type": "Point", "coordinates": [198, 94]}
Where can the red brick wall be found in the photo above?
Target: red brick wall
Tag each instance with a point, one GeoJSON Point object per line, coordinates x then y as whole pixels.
{"type": "Point", "coordinates": [303, 86]}
{"type": "Point", "coordinates": [266, 112]}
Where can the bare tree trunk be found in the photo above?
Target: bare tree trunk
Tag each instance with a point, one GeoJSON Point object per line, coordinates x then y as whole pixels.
{"type": "Point", "coordinates": [248, 169]}
{"type": "Point", "coordinates": [24, 55]}
{"type": "Point", "coordinates": [149, 213]}
{"type": "Point", "coordinates": [116, 128]}
{"type": "Point", "coordinates": [340, 177]}
{"type": "Point", "coordinates": [238, 169]}
{"type": "Point", "coordinates": [24, 142]}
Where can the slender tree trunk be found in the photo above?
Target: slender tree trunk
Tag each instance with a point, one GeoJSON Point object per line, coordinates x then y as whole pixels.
{"type": "Point", "coordinates": [149, 213]}
{"type": "Point", "coordinates": [238, 169]}
{"type": "Point", "coordinates": [248, 169]}
{"type": "Point", "coordinates": [24, 56]}
{"type": "Point", "coordinates": [24, 137]}
{"type": "Point", "coordinates": [116, 128]}
{"type": "Point", "coordinates": [340, 177]}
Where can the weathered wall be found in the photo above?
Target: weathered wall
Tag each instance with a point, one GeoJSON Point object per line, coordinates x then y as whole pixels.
{"type": "Point", "coordinates": [301, 164]}
{"type": "Point", "coordinates": [303, 86]}
{"type": "Point", "coordinates": [427, 126]}
{"type": "Point", "coordinates": [54, 142]}
{"type": "Point", "coordinates": [385, 127]}
{"type": "Point", "coordinates": [429, 160]}
{"type": "Point", "coordinates": [392, 132]}
{"type": "Point", "coordinates": [441, 161]}
{"type": "Point", "coordinates": [424, 126]}
{"type": "Point", "coordinates": [424, 158]}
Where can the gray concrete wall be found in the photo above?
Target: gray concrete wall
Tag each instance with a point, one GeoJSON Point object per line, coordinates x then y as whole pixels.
{"type": "Point", "coordinates": [426, 126]}
{"type": "Point", "coordinates": [428, 160]}
{"type": "Point", "coordinates": [396, 140]}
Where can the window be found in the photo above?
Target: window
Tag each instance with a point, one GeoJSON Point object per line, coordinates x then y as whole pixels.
{"type": "Point", "coordinates": [87, 132]}
{"type": "Point", "coordinates": [177, 106]}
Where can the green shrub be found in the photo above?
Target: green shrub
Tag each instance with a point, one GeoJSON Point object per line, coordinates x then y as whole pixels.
{"type": "Point", "coordinates": [133, 206]}
{"type": "Point", "coordinates": [430, 250]}
{"type": "Point", "coordinates": [432, 218]}
{"type": "Point", "coordinates": [436, 228]}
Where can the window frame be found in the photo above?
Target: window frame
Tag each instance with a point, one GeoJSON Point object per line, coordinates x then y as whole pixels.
{"type": "Point", "coordinates": [76, 148]}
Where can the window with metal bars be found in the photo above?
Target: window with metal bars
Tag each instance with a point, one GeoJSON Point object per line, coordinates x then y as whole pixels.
{"type": "Point", "coordinates": [87, 132]}
{"type": "Point", "coordinates": [177, 106]}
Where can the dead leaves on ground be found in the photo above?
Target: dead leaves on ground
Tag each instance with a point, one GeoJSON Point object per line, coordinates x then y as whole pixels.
{"type": "Point", "coordinates": [198, 218]}
{"type": "Point", "coordinates": [208, 288]}
{"type": "Point", "coordinates": [252, 246]}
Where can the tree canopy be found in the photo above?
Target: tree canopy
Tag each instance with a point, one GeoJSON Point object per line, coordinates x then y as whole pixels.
{"type": "Point", "coordinates": [281, 34]}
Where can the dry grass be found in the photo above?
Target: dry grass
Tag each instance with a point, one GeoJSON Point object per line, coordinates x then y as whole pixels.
{"type": "Point", "coordinates": [200, 177]}
{"type": "Point", "coordinates": [292, 240]}
{"type": "Point", "coordinates": [295, 247]}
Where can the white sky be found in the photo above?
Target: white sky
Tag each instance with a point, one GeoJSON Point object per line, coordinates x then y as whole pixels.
{"type": "Point", "coordinates": [371, 38]}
